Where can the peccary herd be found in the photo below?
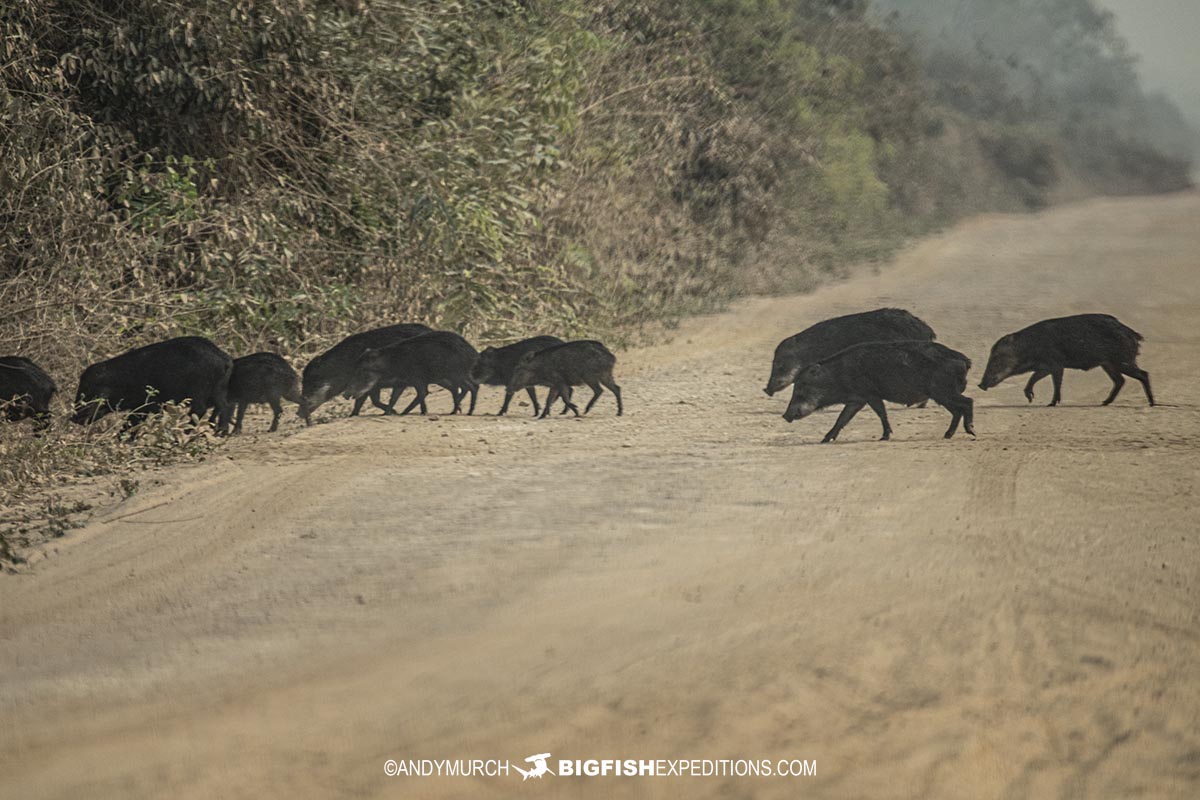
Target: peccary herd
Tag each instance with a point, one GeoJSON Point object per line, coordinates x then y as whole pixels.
{"type": "Point", "coordinates": [195, 371]}
{"type": "Point", "coordinates": [890, 355]}
{"type": "Point", "coordinates": [856, 361]}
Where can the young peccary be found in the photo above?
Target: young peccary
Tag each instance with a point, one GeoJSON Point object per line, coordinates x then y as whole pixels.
{"type": "Point", "coordinates": [562, 366]}
{"type": "Point", "coordinates": [834, 335]}
{"type": "Point", "coordinates": [139, 382]}
{"type": "Point", "coordinates": [900, 372]}
{"type": "Point", "coordinates": [442, 358]}
{"type": "Point", "coordinates": [496, 364]}
{"type": "Point", "coordinates": [332, 372]}
{"type": "Point", "coordinates": [25, 391]}
{"type": "Point", "coordinates": [262, 378]}
{"type": "Point", "coordinates": [1084, 341]}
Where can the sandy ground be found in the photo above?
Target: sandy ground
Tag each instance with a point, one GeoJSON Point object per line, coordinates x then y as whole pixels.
{"type": "Point", "coordinates": [1013, 616]}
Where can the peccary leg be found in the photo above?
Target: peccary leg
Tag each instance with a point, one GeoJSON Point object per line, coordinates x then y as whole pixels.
{"type": "Point", "coordinates": [241, 413]}
{"type": "Point", "coordinates": [597, 391]}
{"type": "Point", "coordinates": [968, 415]}
{"type": "Point", "coordinates": [504, 406]}
{"type": "Point", "coordinates": [843, 418]}
{"type": "Point", "coordinates": [359, 401]}
{"type": "Point", "coordinates": [1142, 377]}
{"type": "Point", "coordinates": [390, 408]}
{"type": "Point", "coordinates": [220, 417]}
{"type": "Point", "coordinates": [470, 388]}
{"type": "Point", "coordinates": [550, 398]}
{"type": "Point", "coordinates": [1057, 376]}
{"type": "Point", "coordinates": [1118, 381]}
{"type": "Point", "coordinates": [198, 409]}
{"type": "Point", "coordinates": [224, 412]}
{"type": "Point", "coordinates": [878, 408]}
{"type": "Point", "coordinates": [377, 399]}
{"type": "Point", "coordinates": [533, 399]}
{"type": "Point", "coordinates": [277, 412]}
{"type": "Point", "coordinates": [955, 416]}
{"type": "Point", "coordinates": [961, 409]}
{"type": "Point", "coordinates": [616, 390]}
{"type": "Point", "coordinates": [460, 393]}
{"type": "Point", "coordinates": [456, 393]}
{"type": "Point", "coordinates": [473, 388]}
{"type": "Point", "coordinates": [537, 409]}
{"type": "Point", "coordinates": [565, 391]}
{"type": "Point", "coordinates": [1034, 378]}
{"type": "Point", "coordinates": [419, 400]}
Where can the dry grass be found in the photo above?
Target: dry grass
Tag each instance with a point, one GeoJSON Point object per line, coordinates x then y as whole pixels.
{"type": "Point", "coordinates": [36, 470]}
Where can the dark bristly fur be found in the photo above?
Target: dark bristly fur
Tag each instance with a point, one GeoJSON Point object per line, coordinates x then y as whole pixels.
{"type": "Point", "coordinates": [834, 335]}
{"type": "Point", "coordinates": [441, 358]}
{"type": "Point", "coordinates": [898, 372]}
{"type": "Point", "coordinates": [262, 378]}
{"type": "Point", "coordinates": [331, 373]}
{"type": "Point", "coordinates": [1083, 341]}
{"type": "Point", "coordinates": [26, 389]}
{"type": "Point", "coordinates": [496, 364]}
{"type": "Point", "coordinates": [140, 381]}
{"type": "Point", "coordinates": [582, 363]}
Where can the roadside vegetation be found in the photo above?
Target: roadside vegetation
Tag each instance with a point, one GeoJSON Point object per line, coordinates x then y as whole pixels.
{"type": "Point", "coordinates": [277, 173]}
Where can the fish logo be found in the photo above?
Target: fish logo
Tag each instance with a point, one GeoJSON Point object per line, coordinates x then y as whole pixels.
{"type": "Point", "coordinates": [540, 767]}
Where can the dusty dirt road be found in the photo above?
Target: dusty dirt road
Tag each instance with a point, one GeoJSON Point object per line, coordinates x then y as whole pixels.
{"type": "Point", "coordinates": [1015, 616]}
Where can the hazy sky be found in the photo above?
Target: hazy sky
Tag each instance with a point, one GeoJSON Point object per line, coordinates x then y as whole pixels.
{"type": "Point", "coordinates": [1165, 34]}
